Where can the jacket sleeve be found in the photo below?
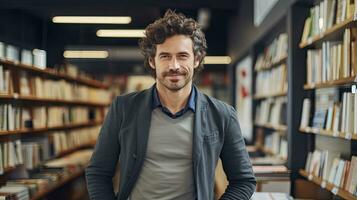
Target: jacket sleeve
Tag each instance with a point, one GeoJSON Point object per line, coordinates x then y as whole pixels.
{"type": "Point", "coordinates": [236, 163]}
{"type": "Point", "coordinates": [101, 168]}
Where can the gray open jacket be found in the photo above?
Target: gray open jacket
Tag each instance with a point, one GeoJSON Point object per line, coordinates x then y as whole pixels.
{"type": "Point", "coordinates": [124, 135]}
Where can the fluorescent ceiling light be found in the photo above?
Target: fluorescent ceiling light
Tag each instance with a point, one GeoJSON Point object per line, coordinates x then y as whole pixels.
{"type": "Point", "coordinates": [126, 33]}
{"type": "Point", "coordinates": [85, 54]}
{"type": "Point", "coordinates": [92, 19]}
{"type": "Point", "coordinates": [217, 60]}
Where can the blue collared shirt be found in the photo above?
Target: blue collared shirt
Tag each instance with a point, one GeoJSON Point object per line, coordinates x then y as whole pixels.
{"type": "Point", "coordinates": [191, 104]}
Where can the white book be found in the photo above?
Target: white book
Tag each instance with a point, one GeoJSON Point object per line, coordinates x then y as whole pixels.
{"type": "Point", "coordinates": [308, 162]}
{"type": "Point", "coordinates": [1, 160]}
{"type": "Point", "coordinates": [12, 155]}
{"type": "Point", "coordinates": [19, 151]}
{"type": "Point", "coordinates": [12, 53]}
{"type": "Point", "coordinates": [346, 53]}
{"type": "Point", "coordinates": [329, 117]}
{"type": "Point", "coordinates": [331, 12]}
{"type": "Point", "coordinates": [39, 58]}
{"type": "Point", "coordinates": [333, 170]}
{"type": "Point", "coordinates": [2, 80]}
{"type": "Point", "coordinates": [305, 113]}
{"type": "Point", "coordinates": [353, 182]}
{"type": "Point", "coordinates": [350, 112]}
{"type": "Point", "coordinates": [355, 111]}
{"type": "Point", "coordinates": [315, 163]}
{"type": "Point", "coordinates": [11, 116]}
{"type": "Point", "coordinates": [330, 155]}
{"type": "Point", "coordinates": [26, 57]}
{"type": "Point", "coordinates": [338, 176]}
{"type": "Point", "coordinates": [344, 111]}
{"type": "Point", "coordinates": [2, 50]}
{"type": "Point", "coordinates": [344, 10]}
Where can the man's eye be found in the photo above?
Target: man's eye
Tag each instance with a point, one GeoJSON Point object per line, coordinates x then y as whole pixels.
{"type": "Point", "coordinates": [183, 56]}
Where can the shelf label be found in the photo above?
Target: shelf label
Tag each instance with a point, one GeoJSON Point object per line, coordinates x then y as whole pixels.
{"type": "Point", "coordinates": [334, 190]}
{"type": "Point", "coordinates": [336, 134]}
{"type": "Point", "coordinates": [310, 177]}
{"type": "Point", "coordinates": [348, 136]}
{"type": "Point", "coordinates": [323, 184]}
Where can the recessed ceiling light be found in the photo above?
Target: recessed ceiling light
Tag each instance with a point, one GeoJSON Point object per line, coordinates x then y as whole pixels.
{"type": "Point", "coordinates": [217, 60]}
{"type": "Point", "coordinates": [85, 54]}
{"type": "Point", "coordinates": [126, 33]}
{"type": "Point", "coordinates": [92, 19]}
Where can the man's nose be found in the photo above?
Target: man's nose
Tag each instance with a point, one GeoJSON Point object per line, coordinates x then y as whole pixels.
{"type": "Point", "coordinates": [174, 64]}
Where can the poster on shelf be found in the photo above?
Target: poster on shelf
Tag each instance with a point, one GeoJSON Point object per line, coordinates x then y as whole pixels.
{"type": "Point", "coordinates": [244, 97]}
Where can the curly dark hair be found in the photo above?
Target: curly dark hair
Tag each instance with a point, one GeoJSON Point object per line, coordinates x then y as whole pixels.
{"type": "Point", "coordinates": [173, 24]}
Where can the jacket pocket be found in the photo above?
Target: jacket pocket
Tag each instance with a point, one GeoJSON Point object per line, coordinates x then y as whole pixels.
{"type": "Point", "coordinates": [212, 137]}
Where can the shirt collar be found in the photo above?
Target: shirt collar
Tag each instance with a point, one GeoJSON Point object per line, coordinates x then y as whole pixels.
{"type": "Point", "coordinates": [191, 103]}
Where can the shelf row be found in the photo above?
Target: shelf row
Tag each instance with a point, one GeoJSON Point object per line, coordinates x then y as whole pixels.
{"type": "Point", "coordinates": [53, 74]}
{"type": "Point", "coordinates": [50, 129]}
{"type": "Point", "coordinates": [50, 101]}
{"type": "Point", "coordinates": [329, 32]}
{"type": "Point", "coordinates": [336, 134]}
{"type": "Point", "coordinates": [328, 186]}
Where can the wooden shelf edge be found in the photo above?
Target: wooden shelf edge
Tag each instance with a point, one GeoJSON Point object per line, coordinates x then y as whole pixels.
{"type": "Point", "coordinates": [274, 127]}
{"type": "Point", "coordinates": [269, 152]}
{"type": "Point", "coordinates": [272, 65]}
{"type": "Point", "coordinates": [349, 80]}
{"type": "Point", "coordinates": [74, 149]}
{"type": "Point", "coordinates": [338, 134]}
{"type": "Point", "coordinates": [48, 100]}
{"type": "Point", "coordinates": [52, 73]}
{"type": "Point", "coordinates": [278, 94]}
{"type": "Point", "coordinates": [49, 129]}
{"type": "Point", "coordinates": [52, 188]}
{"type": "Point", "coordinates": [326, 33]}
{"type": "Point", "coordinates": [330, 187]}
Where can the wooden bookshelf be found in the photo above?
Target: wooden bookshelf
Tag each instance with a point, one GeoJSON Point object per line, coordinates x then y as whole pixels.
{"type": "Point", "coordinates": [329, 32]}
{"type": "Point", "coordinates": [50, 129]}
{"type": "Point", "coordinates": [274, 64]}
{"type": "Point", "coordinates": [42, 194]}
{"type": "Point", "coordinates": [265, 96]}
{"type": "Point", "coordinates": [330, 187]}
{"type": "Point", "coordinates": [273, 127]}
{"type": "Point", "coordinates": [74, 149]}
{"type": "Point", "coordinates": [270, 152]}
{"type": "Point", "coordinates": [336, 134]}
{"type": "Point", "coordinates": [8, 170]}
{"type": "Point", "coordinates": [344, 81]}
{"type": "Point", "coordinates": [50, 101]}
{"type": "Point", "coordinates": [53, 74]}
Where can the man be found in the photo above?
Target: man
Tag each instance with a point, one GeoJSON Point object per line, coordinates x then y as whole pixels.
{"type": "Point", "coordinates": [168, 139]}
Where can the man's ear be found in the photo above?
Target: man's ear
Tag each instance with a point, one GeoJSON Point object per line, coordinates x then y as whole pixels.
{"type": "Point", "coordinates": [196, 63]}
{"type": "Point", "coordinates": [152, 63]}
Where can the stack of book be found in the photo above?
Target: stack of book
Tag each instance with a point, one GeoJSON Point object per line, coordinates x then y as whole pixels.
{"type": "Point", "coordinates": [6, 82]}
{"type": "Point", "coordinates": [334, 61]}
{"type": "Point", "coordinates": [59, 89]}
{"type": "Point", "coordinates": [332, 169]}
{"type": "Point", "coordinates": [10, 155]}
{"type": "Point", "coordinates": [20, 192]}
{"type": "Point", "coordinates": [326, 14]}
{"type": "Point", "coordinates": [63, 141]}
{"type": "Point", "coordinates": [276, 144]}
{"type": "Point", "coordinates": [16, 118]}
{"type": "Point", "coordinates": [276, 51]}
{"type": "Point", "coordinates": [272, 81]}
{"type": "Point", "coordinates": [271, 111]}
{"type": "Point", "coordinates": [332, 115]}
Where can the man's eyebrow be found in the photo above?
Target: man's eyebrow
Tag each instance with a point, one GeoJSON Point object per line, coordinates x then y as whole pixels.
{"type": "Point", "coordinates": [164, 53]}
